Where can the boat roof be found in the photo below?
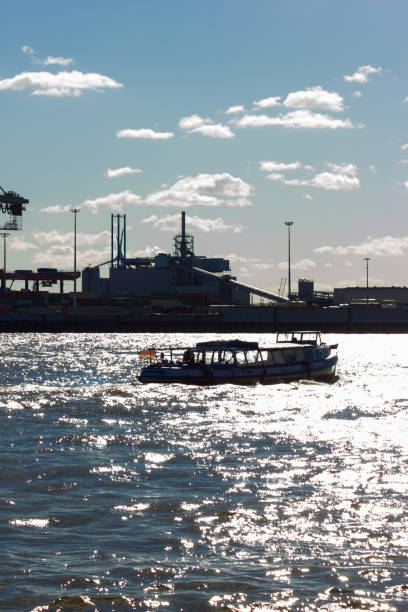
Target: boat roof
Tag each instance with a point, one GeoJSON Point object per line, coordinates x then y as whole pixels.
{"type": "Point", "coordinates": [222, 345]}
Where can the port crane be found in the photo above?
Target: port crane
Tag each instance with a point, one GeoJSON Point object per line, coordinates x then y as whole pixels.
{"type": "Point", "coordinates": [13, 204]}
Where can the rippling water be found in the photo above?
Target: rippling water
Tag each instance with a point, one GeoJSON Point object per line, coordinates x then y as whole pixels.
{"type": "Point", "coordinates": [120, 496]}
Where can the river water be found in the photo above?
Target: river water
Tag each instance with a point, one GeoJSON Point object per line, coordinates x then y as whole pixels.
{"type": "Point", "coordinates": [121, 496]}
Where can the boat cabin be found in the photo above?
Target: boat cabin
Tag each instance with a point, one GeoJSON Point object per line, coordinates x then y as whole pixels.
{"type": "Point", "coordinates": [290, 348]}
{"type": "Point", "coordinates": [300, 337]}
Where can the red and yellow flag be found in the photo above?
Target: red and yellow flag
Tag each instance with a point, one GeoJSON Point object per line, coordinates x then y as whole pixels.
{"type": "Point", "coordinates": [147, 354]}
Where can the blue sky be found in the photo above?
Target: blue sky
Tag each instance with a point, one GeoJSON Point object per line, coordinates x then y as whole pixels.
{"type": "Point", "coordinates": [244, 114]}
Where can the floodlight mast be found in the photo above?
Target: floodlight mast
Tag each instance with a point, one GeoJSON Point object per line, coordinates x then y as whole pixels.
{"type": "Point", "coordinates": [289, 225]}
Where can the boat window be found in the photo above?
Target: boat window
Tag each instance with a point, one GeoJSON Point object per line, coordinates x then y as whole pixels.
{"type": "Point", "coordinates": [253, 358]}
{"type": "Point", "coordinates": [240, 357]}
{"type": "Point", "coordinates": [278, 357]}
{"type": "Point", "coordinates": [268, 357]}
{"type": "Point", "coordinates": [229, 358]}
{"type": "Point", "coordinates": [284, 337]}
{"type": "Point", "coordinates": [290, 356]}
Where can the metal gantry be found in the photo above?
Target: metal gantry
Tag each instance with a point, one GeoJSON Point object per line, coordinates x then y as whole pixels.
{"type": "Point", "coordinates": [13, 204]}
{"type": "Point", "coordinates": [118, 234]}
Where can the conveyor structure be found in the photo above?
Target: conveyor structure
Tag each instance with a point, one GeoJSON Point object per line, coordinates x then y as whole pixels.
{"type": "Point", "coordinates": [236, 284]}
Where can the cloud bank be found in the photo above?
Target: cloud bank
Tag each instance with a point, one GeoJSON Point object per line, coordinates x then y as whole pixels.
{"type": "Point", "coordinates": [299, 119]}
{"type": "Point", "coordinates": [201, 190]}
{"type": "Point", "coordinates": [383, 246]}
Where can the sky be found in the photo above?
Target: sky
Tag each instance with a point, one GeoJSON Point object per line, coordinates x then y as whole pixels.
{"type": "Point", "coordinates": [243, 114]}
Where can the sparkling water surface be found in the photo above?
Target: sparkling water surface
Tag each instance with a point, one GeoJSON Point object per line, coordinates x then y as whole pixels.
{"type": "Point", "coordinates": [121, 496]}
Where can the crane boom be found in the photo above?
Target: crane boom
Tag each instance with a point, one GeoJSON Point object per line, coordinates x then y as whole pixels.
{"type": "Point", "coordinates": [13, 204]}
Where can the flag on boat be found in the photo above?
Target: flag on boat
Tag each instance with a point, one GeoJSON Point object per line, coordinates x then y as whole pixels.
{"type": "Point", "coordinates": [147, 354]}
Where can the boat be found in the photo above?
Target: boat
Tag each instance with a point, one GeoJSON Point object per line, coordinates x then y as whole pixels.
{"type": "Point", "coordinates": [293, 356]}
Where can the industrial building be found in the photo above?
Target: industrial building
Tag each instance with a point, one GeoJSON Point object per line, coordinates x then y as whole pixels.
{"type": "Point", "coordinates": [348, 295]}
{"type": "Point", "coordinates": [184, 277]}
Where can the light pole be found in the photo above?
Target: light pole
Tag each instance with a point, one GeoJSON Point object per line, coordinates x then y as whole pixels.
{"type": "Point", "coordinates": [3, 280]}
{"type": "Point", "coordinates": [289, 224]}
{"type": "Point", "coordinates": [366, 259]}
{"type": "Point", "coordinates": [75, 211]}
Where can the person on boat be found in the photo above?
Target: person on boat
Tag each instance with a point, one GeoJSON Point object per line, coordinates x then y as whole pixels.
{"type": "Point", "coordinates": [188, 356]}
{"type": "Point", "coordinates": [163, 359]}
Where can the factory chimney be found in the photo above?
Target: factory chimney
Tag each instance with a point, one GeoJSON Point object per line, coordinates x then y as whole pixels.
{"type": "Point", "coordinates": [183, 244]}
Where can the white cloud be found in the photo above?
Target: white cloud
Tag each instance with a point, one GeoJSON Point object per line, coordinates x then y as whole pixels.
{"type": "Point", "coordinates": [201, 190]}
{"type": "Point", "coordinates": [307, 196]}
{"type": "Point", "coordinates": [315, 97]}
{"type": "Point", "coordinates": [263, 265]}
{"type": "Point", "coordinates": [60, 84]}
{"type": "Point", "coordinates": [57, 209]}
{"type": "Point", "coordinates": [61, 61]}
{"type": "Point", "coordinates": [373, 169]}
{"type": "Point", "coordinates": [333, 182]}
{"type": "Point", "coordinates": [234, 258]}
{"type": "Point", "coordinates": [194, 124]}
{"type": "Point", "coordinates": [214, 131]}
{"type": "Point", "coordinates": [343, 177]}
{"type": "Point", "coordinates": [18, 243]}
{"type": "Point", "coordinates": [232, 110]}
{"type": "Point", "coordinates": [148, 251]}
{"type": "Point", "coordinates": [144, 133]}
{"type": "Point", "coordinates": [383, 246]}
{"type": "Point", "coordinates": [403, 161]}
{"type": "Point", "coordinates": [67, 238]}
{"type": "Point", "coordinates": [27, 49]}
{"type": "Point", "coordinates": [276, 176]}
{"type": "Point", "coordinates": [346, 283]}
{"type": "Point", "coordinates": [361, 74]}
{"type": "Point", "coordinates": [205, 190]}
{"type": "Point", "coordinates": [172, 223]}
{"type": "Point", "coordinates": [114, 201]}
{"type": "Point", "coordinates": [267, 102]}
{"type": "Point", "coordinates": [349, 169]}
{"type": "Point", "coordinates": [302, 264]}
{"type": "Point", "coordinates": [324, 180]}
{"type": "Point", "coordinates": [122, 171]}
{"type": "Point", "coordinates": [357, 94]}
{"type": "Point", "coordinates": [62, 256]}
{"type": "Point", "coordinates": [299, 119]}
{"type": "Point", "coordinates": [271, 166]}
{"type": "Point", "coordinates": [404, 147]}
{"type": "Point", "coordinates": [244, 272]}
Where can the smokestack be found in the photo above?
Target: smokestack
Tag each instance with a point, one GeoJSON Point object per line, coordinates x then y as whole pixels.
{"type": "Point", "coordinates": [183, 245]}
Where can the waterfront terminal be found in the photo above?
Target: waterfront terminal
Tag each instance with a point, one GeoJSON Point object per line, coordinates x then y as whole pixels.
{"type": "Point", "coordinates": [185, 292]}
